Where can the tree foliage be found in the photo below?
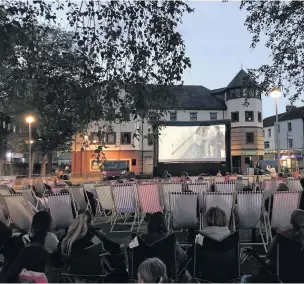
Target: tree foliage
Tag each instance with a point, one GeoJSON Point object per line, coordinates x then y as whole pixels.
{"type": "Point", "coordinates": [283, 24]}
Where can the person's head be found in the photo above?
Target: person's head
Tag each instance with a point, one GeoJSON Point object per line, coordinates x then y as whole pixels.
{"type": "Point", "coordinates": [239, 178]}
{"type": "Point", "coordinates": [156, 223]}
{"type": "Point", "coordinates": [282, 187]}
{"type": "Point", "coordinates": [41, 225]}
{"type": "Point", "coordinates": [184, 176]}
{"type": "Point", "coordinates": [77, 230]}
{"type": "Point", "coordinates": [297, 222]}
{"type": "Point", "coordinates": [215, 216]}
{"type": "Point", "coordinates": [281, 175]}
{"type": "Point", "coordinates": [152, 270]}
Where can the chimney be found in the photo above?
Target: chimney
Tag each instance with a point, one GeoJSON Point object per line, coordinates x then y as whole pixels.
{"type": "Point", "coordinates": [289, 108]}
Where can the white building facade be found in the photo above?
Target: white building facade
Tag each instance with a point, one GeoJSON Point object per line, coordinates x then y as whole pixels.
{"type": "Point", "coordinates": [195, 103]}
{"type": "Point", "coordinates": [291, 138]}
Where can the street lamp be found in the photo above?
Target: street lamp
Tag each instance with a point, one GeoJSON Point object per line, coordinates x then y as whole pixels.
{"type": "Point", "coordinates": [276, 93]}
{"type": "Point", "coordinates": [85, 144]}
{"type": "Point", "coordinates": [30, 119]}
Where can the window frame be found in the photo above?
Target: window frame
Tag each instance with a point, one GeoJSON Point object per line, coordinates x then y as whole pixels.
{"type": "Point", "coordinates": [107, 138]}
{"type": "Point", "coordinates": [259, 116]}
{"type": "Point", "coordinates": [173, 113]}
{"type": "Point", "coordinates": [247, 137]}
{"type": "Point", "coordinates": [249, 111]}
{"type": "Point", "coordinates": [290, 143]}
{"type": "Point", "coordinates": [121, 138]}
{"type": "Point", "coordinates": [289, 124]}
{"type": "Point", "coordinates": [238, 114]}
{"type": "Point", "coordinates": [212, 113]}
{"type": "Point", "coordinates": [267, 144]}
{"type": "Point", "coordinates": [269, 132]}
{"type": "Point", "coordinates": [193, 114]}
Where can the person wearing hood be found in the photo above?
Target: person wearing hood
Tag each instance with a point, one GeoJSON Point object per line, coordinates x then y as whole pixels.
{"type": "Point", "coordinates": [216, 221]}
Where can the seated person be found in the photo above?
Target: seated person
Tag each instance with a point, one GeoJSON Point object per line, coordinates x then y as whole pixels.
{"type": "Point", "coordinates": [157, 230]}
{"type": "Point", "coordinates": [239, 183]}
{"type": "Point", "coordinates": [185, 179]}
{"type": "Point", "coordinates": [219, 174]}
{"type": "Point", "coordinates": [216, 221]}
{"type": "Point", "coordinates": [40, 232]}
{"type": "Point", "coordinates": [153, 270]}
{"type": "Point", "coordinates": [281, 187]}
{"type": "Point", "coordinates": [272, 171]}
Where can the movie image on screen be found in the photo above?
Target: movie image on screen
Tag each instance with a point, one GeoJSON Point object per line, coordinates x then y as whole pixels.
{"type": "Point", "coordinates": [192, 143]}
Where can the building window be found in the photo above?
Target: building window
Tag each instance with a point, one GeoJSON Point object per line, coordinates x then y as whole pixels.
{"type": "Point", "coordinates": [173, 116]}
{"type": "Point", "coordinates": [289, 126]}
{"type": "Point", "coordinates": [266, 144]}
{"type": "Point", "coordinates": [213, 115]}
{"type": "Point", "coordinates": [94, 138]}
{"type": "Point", "coordinates": [111, 138]}
{"type": "Point", "coordinates": [279, 128]}
{"type": "Point", "coordinates": [125, 138]}
{"type": "Point", "coordinates": [259, 116]}
{"type": "Point", "coordinates": [235, 116]}
{"type": "Point", "coordinates": [193, 116]}
{"type": "Point", "coordinates": [269, 132]}
{"type": "Point", "coordinates": [290, 143]}
{"type": "Point", "coordinates": [249, 116]}
{"type": "Point", "coordinates": [249, 137]}
{"type": "Point", "coordinates": [263, 133]}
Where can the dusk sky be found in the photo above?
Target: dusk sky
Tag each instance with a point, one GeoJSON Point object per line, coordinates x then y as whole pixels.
{"type": "Point", "coordinates": [218, 44]}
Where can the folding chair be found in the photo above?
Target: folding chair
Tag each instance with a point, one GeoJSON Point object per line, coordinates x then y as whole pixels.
{"type": "Point", "coordinates": [284, 203]}
{"type": "Point", "coordinates": [164, 249]}
{"type": "Point", "coordinates": [4, 189]}
{"type": "Point", "coordinates": [211, 255]}
{"type": "Point", "coordinates": [290, 259]}
{"type": "Point", "coordinates": [40, 187]}
{"type": "Point", "coordinates": [224, 186]}
{"type": "Point", "coordinates": [200, 189]}
{"type": "Point", "coordinates": [20, 213]}
{"type": "Point", "coordinates": [222, 200]}
{"type": "Point", "coordinates": [183, 210]}
{"type": "Point", "coordinates": [124, 196]}
{"type": "Point", "coordinates": [149, 200]}
{"type": "Point", "coordinates": [30, 196]}
{"type": "Point", "coordinates": [105, 200]}
{"type": "Point", "coordinates": [294, 184]}
{"type": "Point", "coordinates": [218, 179]}
{"type": "Point", "coordinates": [85, 265]}
{"type": "Point", "coordinates": [78, 196]}
{"type": "Point", "coordinates": [90, 187]}
{"type": "Point", "coordinates": [60, 206]}
{"type": "Point", "coordinates": [249, 208]}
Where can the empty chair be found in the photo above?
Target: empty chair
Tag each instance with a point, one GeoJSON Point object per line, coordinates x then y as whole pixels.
{"type": "Point", "coordinates": [124, 196]}
{"type": "Point", "coordinates": [166, 188]}
{"type": "Point", "coordinates": [30, 196]}
{"type": "Point", "coordinates": [249, 208]}
{"type": "Point", "coordinates": [183, 210]}
{"type": "Point", "coordinates": [105, 198]}
{"type": "Point", "coordinates": [4, 189]}
{"type": "Point", "coordinates": [200, 189]}
{"type": "Point", "coordinates": [294, 184]}
{"type": "Point", "coordinates": [60, 206]}
{"type": "Point", "coordinates": [284, 203]}
{"type": "Point", "coordinates": [216, 261]}
{"type": "Point", "coordinates": [225, 186]}
{"type": "Point", "coordinates": [20, 213]}
{"type": "Point", "coordinates": [78, 196]}
{"type": "Point", "coordinates": [149, 197]}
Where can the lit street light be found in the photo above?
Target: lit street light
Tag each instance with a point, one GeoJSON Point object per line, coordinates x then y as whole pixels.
{"type": "Point", "coordinates": [30, 119]}
{"type": "Point", "coordinates": [276, 93]}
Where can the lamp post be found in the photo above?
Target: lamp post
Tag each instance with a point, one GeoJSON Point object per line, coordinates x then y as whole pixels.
{"type": "Point", "coordinates": [30, 119]}
{"type": "Point", "coordinates": [86, 141]}
{"type": "Point", "coordinates": [276, 93]}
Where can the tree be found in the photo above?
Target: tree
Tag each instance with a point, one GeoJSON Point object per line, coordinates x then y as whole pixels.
{"type": "Point", "coordinates": [283, 24]}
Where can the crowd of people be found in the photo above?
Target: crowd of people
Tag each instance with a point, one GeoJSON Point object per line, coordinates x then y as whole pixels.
{"type": "Point", "coordinates": [41, 250]}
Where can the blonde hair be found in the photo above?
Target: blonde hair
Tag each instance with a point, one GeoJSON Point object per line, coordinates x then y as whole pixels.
{"type": "Point", "coordinates": [152, 270]}
{"type": "Point", "coordinates": [78, 229]}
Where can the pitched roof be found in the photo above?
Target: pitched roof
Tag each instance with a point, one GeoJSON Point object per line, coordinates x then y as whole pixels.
{"type": "Point", "coordinates": [293, 113]}
{"type": "Point", "coordinates": [238, 80]}
{"type": "Point", "coordinates": [196, 97]}
{"type": "Point", "coordinates": [217, 91]}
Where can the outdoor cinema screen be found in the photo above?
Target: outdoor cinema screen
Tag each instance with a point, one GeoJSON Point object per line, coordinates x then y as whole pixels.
{"type": "Point", "coordinates": [192, 144]}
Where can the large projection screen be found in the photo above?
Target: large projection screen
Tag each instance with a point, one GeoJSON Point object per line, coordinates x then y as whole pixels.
{"type": "Point", "coordinates": [192, 144]}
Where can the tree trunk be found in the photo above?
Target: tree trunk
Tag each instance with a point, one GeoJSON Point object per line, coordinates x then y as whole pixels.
{"type": "Point", "coordinates": [49, 162]}
{"type": "Point", "coordinates": [33, 162]}
{"type": "Point", "coordinates": [1, 167]}
{"type": "Point", "coordinates": [43, 165]}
